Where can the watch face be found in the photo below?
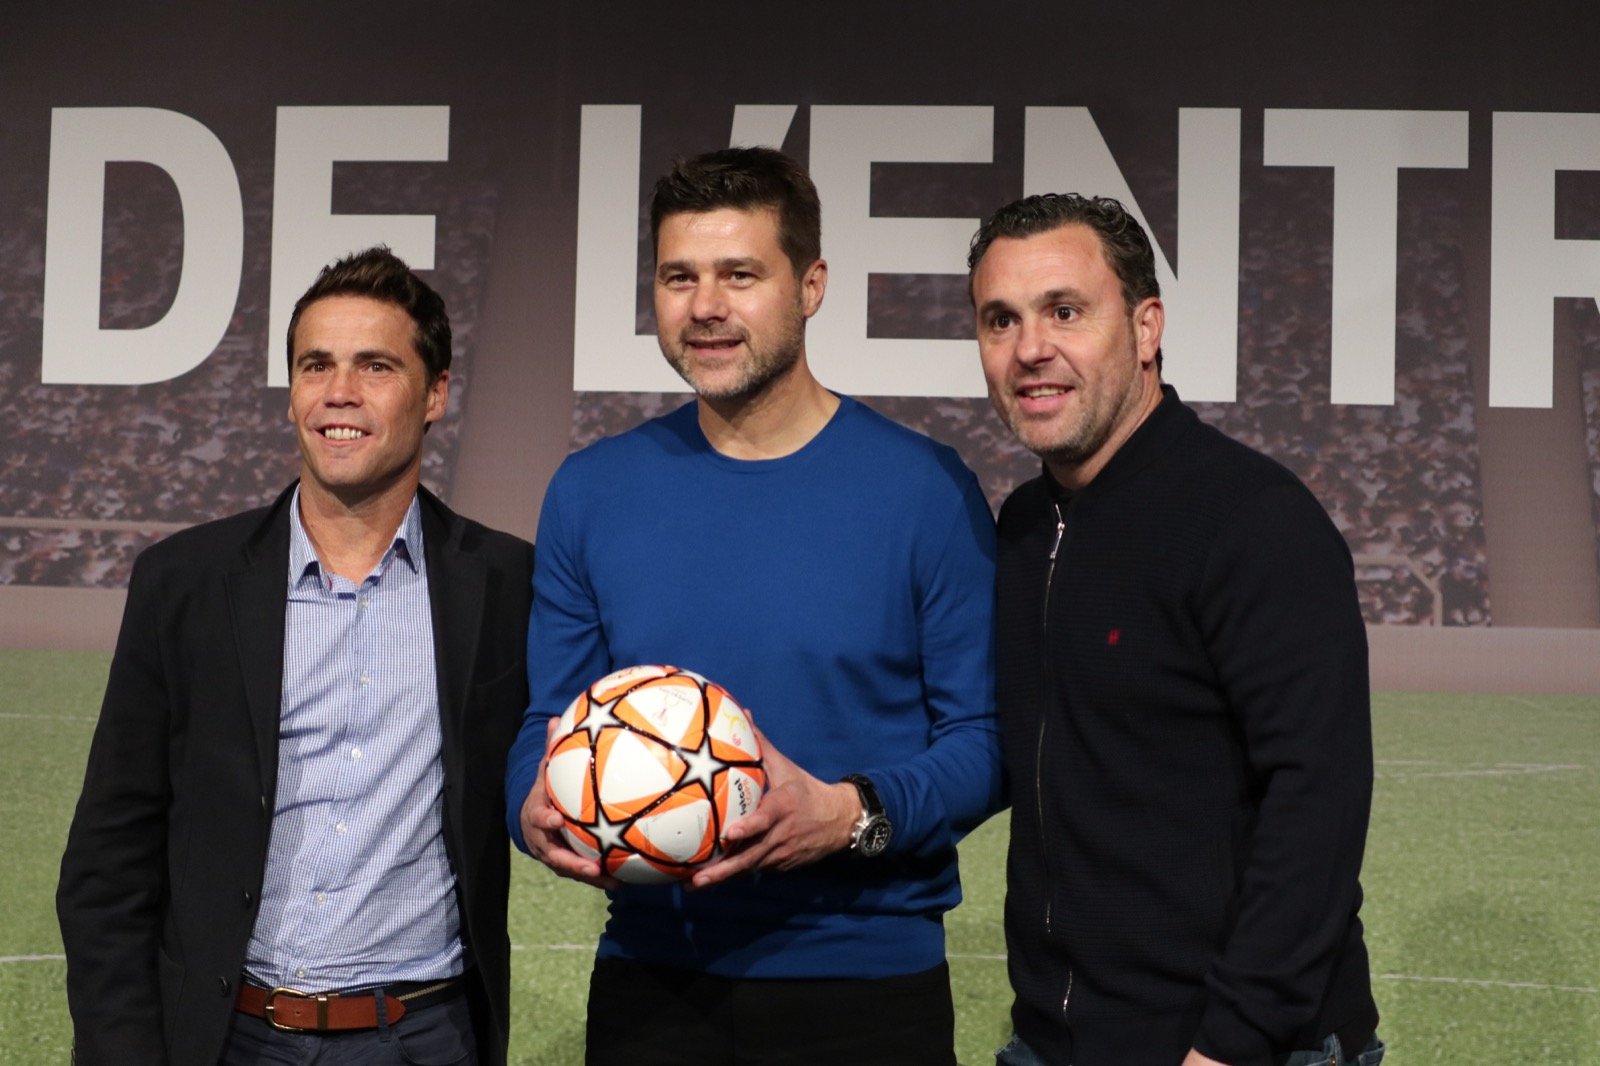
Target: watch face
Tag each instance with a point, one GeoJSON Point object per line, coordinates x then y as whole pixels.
{"type": "Point", "coordinates": [874, 837]}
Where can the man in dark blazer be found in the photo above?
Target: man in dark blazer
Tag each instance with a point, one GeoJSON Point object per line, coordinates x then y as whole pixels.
{"type": "Point", "coordinates": [291, 829]}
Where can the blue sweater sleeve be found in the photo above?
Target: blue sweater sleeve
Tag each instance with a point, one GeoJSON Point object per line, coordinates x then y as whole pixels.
{"type": "Point", "coordinates": [937, 796]}
{"type": "Point", "coordinates": [566, 646]}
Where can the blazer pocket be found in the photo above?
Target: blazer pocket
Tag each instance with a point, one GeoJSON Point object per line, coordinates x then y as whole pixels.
{"type": "Point", "coordinates": [515, 672]}
{"type": "Point", "coordinates": [494, 716]}
{"type": "Point", "coordinates": [169, 976]}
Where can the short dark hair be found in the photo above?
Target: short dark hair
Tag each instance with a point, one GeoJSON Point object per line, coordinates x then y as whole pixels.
{"type": "Point", "coordinates": [746, 179]}
{"type": "Point", "coordinates": [380, 274]}
{"type": "Point", "coordinates": [1124, 242]}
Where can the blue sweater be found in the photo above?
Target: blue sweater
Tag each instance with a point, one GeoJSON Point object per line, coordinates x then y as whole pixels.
{"type": "Point", "coordinates": [844, 594]}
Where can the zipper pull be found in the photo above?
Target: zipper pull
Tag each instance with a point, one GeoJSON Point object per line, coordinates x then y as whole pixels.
{"type": "Point", "coordinates": [1061, 528]}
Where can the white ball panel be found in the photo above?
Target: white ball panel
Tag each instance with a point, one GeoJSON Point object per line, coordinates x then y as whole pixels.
{"type": "Point", "coordinates": [671, 708]}
{"type": "Point", "coordinates": [579, 844]}
{"type": "Point", "coordinates": [567, 778]}
{"type": "Point", "coordinates": [679, 832]}
{"type": "Point", "coordinates": [636, 871]}
{"type": "Point", "coordinates": [631, 772]}
{"type": "Point", "coordinates": [744, 792]}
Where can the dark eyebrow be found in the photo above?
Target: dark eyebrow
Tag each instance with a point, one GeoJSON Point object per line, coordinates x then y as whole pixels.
{"type": "Point", "coordinates": [731, 263]}
{"type": "Point", "coordinates": [1049, 298]}
{"type": "Point", "coordinates": [1061, 296]}
{"type": "Point", "coordinates": [363, 354]}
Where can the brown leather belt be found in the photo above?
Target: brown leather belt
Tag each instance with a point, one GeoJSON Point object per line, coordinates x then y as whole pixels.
{"type": "Point", "coordinates": [324, 1012]}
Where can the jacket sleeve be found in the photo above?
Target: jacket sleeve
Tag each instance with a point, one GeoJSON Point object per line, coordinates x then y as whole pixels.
{"type": "Point", "coordinates": [113, 874]}
{"type": "Point", "coordinates": [1281, 619]}
{"type": "Point", "coordinates": [936, 797]}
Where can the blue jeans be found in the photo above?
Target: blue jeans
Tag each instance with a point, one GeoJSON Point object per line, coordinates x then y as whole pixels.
{"type": "Point", "coordinates": [1331, 1054]}
{"type": "Point", "coordinates": [1016, 1053]}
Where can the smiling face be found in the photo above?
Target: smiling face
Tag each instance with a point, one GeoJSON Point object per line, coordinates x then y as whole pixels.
{"type": "Point", "coordinates": [360, 399]}
{"type": "Point", "coordinates": [1071, 369]}
{"type": "Point", "coordinates": [730, 312]}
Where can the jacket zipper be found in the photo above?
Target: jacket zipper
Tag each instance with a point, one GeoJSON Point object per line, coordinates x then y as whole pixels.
{"type": "Point", "coordinates": [1038, 756]}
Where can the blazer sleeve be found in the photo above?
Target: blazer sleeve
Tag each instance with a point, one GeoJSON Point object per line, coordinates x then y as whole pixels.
{"type": "Point", "coordinates": [110, 897]}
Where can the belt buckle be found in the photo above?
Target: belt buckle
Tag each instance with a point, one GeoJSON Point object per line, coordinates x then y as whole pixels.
{"type": "Point", "coordinates": [269, 1011]}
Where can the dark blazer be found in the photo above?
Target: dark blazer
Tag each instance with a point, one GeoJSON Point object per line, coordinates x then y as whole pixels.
{"type": "Point", "coordinates": [164, 864]}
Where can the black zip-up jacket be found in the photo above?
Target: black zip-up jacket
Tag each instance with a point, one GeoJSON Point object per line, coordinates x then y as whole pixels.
{"type": "Point", "coordinates": [1183, 695]}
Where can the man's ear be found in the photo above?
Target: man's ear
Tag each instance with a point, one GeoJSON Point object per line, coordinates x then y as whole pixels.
{"type": "Point", "coordinates": [813, 284]}
{"type": "Point", "coordinates": [1149, 320]}
{"type": "Point", "coordinates": [438, 397]}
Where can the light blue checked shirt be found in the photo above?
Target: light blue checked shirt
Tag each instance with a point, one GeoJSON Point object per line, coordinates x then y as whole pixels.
{"type": "Point", "coordinates": [358, 886]}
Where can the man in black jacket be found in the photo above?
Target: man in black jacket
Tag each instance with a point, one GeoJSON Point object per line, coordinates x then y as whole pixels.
{"type": "Point", "coordinates": [290, 843]}
{"type": "Point", "coordinates": [1182, 686]}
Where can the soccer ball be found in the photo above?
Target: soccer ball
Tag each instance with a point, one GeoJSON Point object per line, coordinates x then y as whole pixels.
{"type": "Point", "coordinates": [649, 765]}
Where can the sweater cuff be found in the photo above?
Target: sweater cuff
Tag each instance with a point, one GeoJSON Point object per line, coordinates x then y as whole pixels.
{"type": "Point", "coordinates": [1226, 1036]}
{"type": "Point", "coordinates": [892, 796]}
{"type": "Point", "coordinates": [914, 823]}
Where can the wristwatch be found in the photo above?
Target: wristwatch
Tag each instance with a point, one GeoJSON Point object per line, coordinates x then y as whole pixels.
{"type": "Point", "coordinates": [871, 833]}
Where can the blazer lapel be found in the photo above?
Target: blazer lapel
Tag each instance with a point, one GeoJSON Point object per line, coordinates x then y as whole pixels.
{"type": "Point", "coordinates": [456, 580]}
{"type": "Point", "coordinates": [257, 598]}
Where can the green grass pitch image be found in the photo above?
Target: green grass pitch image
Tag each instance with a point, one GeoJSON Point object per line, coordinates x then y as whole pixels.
{"type": "Point", "coordinates": [1481, 909]}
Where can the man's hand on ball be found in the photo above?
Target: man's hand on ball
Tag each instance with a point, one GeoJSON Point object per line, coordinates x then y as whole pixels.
{"type": "Point", "coordinates": [541, 831]}
{"type": "Point", "coordinates": [799, 820]}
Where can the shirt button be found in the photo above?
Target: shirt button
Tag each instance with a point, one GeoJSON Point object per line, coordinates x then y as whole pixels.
{"type": "Point", "coordinates": [340, 828]}
{"type": "Point", "coordinates": [355, 753]}
{"type": "Point", "coordinates": [321, 898]}
{"type": "Point", "coordinates": [300, 972]}
{"type": "Point", "coordinates": [364, 678]}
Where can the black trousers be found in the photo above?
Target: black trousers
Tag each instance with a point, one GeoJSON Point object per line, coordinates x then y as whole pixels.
{"type": "Point", "coordinates": [643, 1015]}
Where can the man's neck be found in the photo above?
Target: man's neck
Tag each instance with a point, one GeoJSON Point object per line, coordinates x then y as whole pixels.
{"type": "Point", "coordinates": [1075, 476]}
{"type": "Point", "coordinates": [778, 421]}
{"type": "Point", "coordinates": [350, 536]}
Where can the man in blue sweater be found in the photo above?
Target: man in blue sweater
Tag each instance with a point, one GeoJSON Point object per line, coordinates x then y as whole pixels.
{"type": "Point", "coordinates": [1182, 686]}
{"type": "Point", "coordinates": [834, 571]}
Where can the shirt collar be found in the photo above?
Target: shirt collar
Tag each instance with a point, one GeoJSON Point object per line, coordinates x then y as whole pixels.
{"type": "Point", "coordinates": [305, 566]}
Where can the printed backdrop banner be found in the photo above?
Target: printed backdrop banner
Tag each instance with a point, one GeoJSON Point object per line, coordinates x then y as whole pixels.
{"type": "Point", "coordinates": [1378, 240]}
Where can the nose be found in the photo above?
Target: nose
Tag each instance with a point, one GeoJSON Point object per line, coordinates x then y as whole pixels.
{"type": "Point", "coordinates": [1034, 347]}
{"type": "Point", "coordinates": [342, 388]}
{"type": "Point", "coordinates": [707, 303]}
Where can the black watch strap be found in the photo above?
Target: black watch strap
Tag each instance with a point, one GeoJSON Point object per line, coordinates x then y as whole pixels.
{"type": "Point", "coordinates": [872, 830]}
